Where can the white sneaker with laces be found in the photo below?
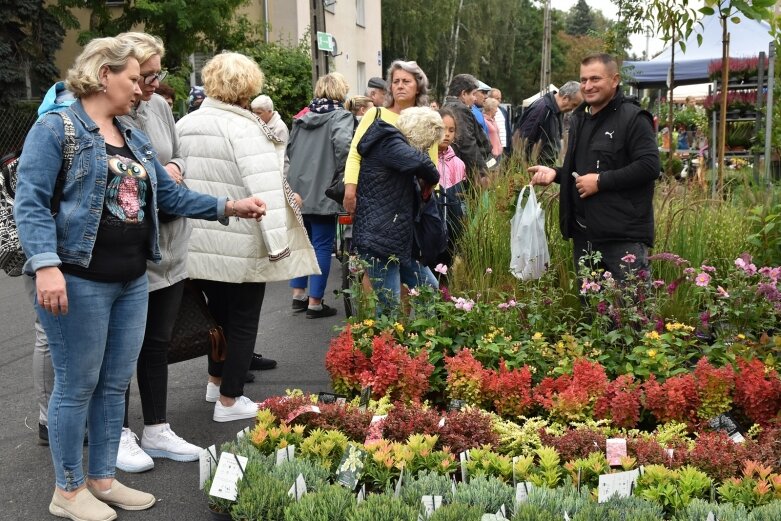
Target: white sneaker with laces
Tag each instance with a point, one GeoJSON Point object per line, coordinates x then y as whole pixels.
{"type": "Point", "coordinates": [161, 442]}
{"type": "Point", "coordinates": [212, 392]}
{"type": "Point", "coordinates": [243, 409]}
{"type": "Point", "coordinates": [130, 457]}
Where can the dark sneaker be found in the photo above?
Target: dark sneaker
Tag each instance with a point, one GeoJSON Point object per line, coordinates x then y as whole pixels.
{"type": "Point", "coordinates": [249, 378]}
{"type": "Point", "coordinates": [327, 311]}
{"type": "Point", "coordinates": [300, 305]}
{"type": "Point", "coordinates": [261, 363]}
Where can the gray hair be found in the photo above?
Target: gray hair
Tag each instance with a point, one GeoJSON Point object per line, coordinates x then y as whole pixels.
{"type": "Point", "coordinates": [412, 67]}
{"type": "Point", "coordinates": [422, 126]}
{"type": "Point", "coordinates": [262, 102]}
{"type": "Point", "coordinates": [569, 89]}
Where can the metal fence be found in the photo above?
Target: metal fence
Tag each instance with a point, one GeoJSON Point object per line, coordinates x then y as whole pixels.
{"type": "Point", "coordinates": [15, 122]}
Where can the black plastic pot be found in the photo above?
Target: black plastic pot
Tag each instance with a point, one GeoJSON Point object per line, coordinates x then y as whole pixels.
{"type": "Point", "coordinates": [219, 516]}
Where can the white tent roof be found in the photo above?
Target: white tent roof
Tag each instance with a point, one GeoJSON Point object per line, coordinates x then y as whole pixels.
{"type": "Point", "coordinates": [531, 99]}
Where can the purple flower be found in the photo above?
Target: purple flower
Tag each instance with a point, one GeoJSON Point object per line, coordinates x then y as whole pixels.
{"type": "Point", "coordinates": [671, 287]}
{"type": "Point", "coordinates": [629, 258]}
{"type": "Point", "coordinates": [602, 307]}
{"type": "Point", "coordinates": [705, 318]}
{"type": "Point", "coordinates": [669, 257]}
{"type": "Point", "coordinates": [702, 280]}
{"type": "Point", "coordinates": [769, 291]}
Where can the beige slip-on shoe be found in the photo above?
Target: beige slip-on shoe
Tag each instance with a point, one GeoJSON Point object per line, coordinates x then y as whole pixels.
{"type": "Point", "coordinates": [83, 507]}
{"type": "Point", "coordinates": [123, 497]}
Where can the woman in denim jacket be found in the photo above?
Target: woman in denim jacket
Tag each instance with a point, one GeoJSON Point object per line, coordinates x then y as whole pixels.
{"type": "Point", "coordinates": [89, 261]}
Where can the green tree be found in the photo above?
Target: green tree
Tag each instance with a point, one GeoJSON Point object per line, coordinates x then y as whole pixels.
{"type": "Point", "coordinates": [580, 20]}
{"type": "Point", "coordinates": [29, 36]}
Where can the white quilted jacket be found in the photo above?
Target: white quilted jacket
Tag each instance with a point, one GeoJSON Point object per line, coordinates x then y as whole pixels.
{"type": "Point", "coordinates": [227, 152]}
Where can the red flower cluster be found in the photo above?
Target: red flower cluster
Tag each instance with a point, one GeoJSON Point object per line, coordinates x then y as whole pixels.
{"type": "Point", "coordinates": [758, 393]}
{"type": "Point", "coordinates": [345, 362]}
{"type": "Point", "coordinates": [393, 372]}
{"type": "Point", "coordinates": [573, 397]}
{"type": "Point", "coordinates": [620, 402]}
{"type": "Point", "coordinates": [509, 390]}
{"type": "Point", "coordinates": [674, 400]}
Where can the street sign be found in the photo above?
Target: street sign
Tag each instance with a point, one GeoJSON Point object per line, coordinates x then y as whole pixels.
{"type": "Point", "coordinates": [325, 42]}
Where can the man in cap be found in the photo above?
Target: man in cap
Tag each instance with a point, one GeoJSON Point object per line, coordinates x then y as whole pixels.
{"type": "Point", "coordinates": [376, 91]}
{"type": "Point", "coordinates": [477, 108]}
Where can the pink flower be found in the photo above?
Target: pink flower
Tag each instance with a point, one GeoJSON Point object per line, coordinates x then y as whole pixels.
{"type": "Point", "coordinates": [607, 275]}
{"type": "Point", "coordinates": [702, 280]}
{"type": "Point", "coordinates": [708, 269]}
{"type": "Point", "coordinates": [659, 283]}
{"type": "Point", "coordinates": [629, 258]}
{"type": "Point", "coordinates": [414, 292]}
{"type": "Point", "coordinates": [441, 268]}
{"type": "Point", "coordinates": [464, 303]}
{"type": "Point", "coordinates": [503, 305]}
{"type": "Point", "coordinates": [689, 272]}
{"type": "Point", "coordinates": [721, 292]}
{"type": "Point", "coordinates": [488, 271]}
{"type": "Point", "coordinates": [589, 286]}
{"type": "Point", "coordinates": [511, 303]}
{"type": "Point", "coordinates": [744, 263]}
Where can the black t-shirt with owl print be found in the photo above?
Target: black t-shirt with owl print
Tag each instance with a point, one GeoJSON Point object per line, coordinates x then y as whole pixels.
{"type": "Point", "coordinates": [122, 243]}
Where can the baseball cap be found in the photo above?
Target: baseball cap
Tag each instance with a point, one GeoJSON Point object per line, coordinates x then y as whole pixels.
{"type": "Point", "coordinates": [482, 86]}
{"type": "Point", "coordinates": [377, 83]}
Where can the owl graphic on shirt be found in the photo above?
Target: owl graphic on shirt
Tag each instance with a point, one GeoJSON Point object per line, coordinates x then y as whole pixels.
{"type": "Point", "coordinates": [126, 192]}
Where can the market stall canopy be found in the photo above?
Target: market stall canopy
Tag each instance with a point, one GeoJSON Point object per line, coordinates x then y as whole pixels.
{"type": "Point", "coordinates": [531, 99]}
{"type": "Point", "coordinates": [747, 38]}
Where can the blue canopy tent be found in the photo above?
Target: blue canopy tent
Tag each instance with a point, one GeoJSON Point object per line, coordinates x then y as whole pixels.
{"type": "Point", "coordinates": [747, 38]}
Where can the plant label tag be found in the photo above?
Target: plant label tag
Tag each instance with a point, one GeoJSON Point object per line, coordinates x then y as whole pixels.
{"type": "Point", "coordinates": [361, 495]}
{"type": "Point", "coordinates": [298, 489]}
{"type": "Point", "coordinates": [350, 469]}
{"type": "Point", "coordinates": [490, 163]}
{"type": "Point", "coordinates": [670, 453]}
{"type": "Point", "coordinates": [376, 418]}
{"type": "Point", "coordinates": [323, 397]}
{"type": "Point", "coordinates": [366, 394]}
{"type": "Point", "coordinates": [522, 490]}
{"type": "Point", "coordinates": [207, 461]}
{"type": "Point", "coordinates": [619, 484]}
{"type": "Point", "coordinates": [441, 422]}
{"type": "Point", "coordinates": [243, 432]}
{"type": "Point", "coordinates": [453, 484]}
{"type": "Point", "coordinates": [710, 517]}
{"type": "Point", "coordinates": [397, 492]}
{"type": "Point", "coordinates": [286, 454]}
{"type": "Point", "coordinates": [464, 457]}
{"type": "Point", "coordinates": [615, 449]}
{"type": "Point", "coordinates": [456, 405]}
{"type": "Point", "coordinates": [491, 517]}
{"type": "Point", "coordinates": [431, 504]}
{"type": "Point", "coordinates": [302, 410]}
{"type": "Point", "coordinates": [230, 470]}
{"type": "Point", "coordinates": [502, 512]}
{"type": "Point", "coordinates": [566, 516]}
{"type": "Point", "coordinates": [725, 422]}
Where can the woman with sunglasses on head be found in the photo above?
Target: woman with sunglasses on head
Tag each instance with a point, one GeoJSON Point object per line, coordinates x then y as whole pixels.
{"type": "Point", "coordinates": [152, 115]}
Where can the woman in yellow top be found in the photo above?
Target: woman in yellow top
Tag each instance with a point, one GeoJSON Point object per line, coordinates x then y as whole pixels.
{"type": "Point", "coordinates": [408, 88]}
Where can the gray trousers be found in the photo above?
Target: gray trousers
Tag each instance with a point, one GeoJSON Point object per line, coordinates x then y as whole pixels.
{"type": "Point", "coordinates": [43, 372]}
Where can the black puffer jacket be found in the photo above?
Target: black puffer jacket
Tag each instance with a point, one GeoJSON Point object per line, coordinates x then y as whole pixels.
{"type": "Point", "coordinates": [384, 213]}
{"type": "Point", "coordinates": [623, 150]}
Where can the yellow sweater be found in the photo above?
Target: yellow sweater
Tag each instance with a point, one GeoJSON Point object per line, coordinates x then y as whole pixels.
{"type": "Point", "coordinates": [353, 166]}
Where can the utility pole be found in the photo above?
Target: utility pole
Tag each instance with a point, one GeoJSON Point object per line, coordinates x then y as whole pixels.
{"type": "Point", "coordinates": [546, 48]}
{"type": "Point", "coordinates": [317, 24]}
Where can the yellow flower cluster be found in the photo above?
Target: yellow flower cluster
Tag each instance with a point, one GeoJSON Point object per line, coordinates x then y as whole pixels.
{"type": "Point", "coordinates": [677, 326]}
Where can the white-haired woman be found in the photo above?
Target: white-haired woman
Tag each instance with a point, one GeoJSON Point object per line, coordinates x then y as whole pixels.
{"type": "Point", "coordinates": [393, 161]}
{"type": "Point", "coordinates": [317, 150]}
{"type": "Point", "coordinates": [263, 107]}
{"type": "Point", "coordinates": [90, 259]}
{"type": "Point", "coordinates": [229, 151]}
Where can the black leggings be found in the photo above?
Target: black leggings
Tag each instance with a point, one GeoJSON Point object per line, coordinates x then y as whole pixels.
{"type": "Point", "coordinates": [152, 368]}
{"type": "Point", "coordinates": [236, 308]}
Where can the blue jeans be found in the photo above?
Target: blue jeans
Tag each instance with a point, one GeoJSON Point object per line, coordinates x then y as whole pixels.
{"type": "Point", "coordinates": [322, 232]}
{"type": "Point", "coordinates": [94, 350]}
{"type": "Point", "coordinates": [413, 274]}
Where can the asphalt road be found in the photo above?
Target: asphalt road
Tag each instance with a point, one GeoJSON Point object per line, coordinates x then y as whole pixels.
{"type": "Point", "coordinates": [297, 343]}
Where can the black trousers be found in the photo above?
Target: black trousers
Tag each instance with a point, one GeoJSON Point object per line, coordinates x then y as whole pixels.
{"type": "Point", "coordinates": [236, 308]}
{"type": "Point", "coordinates": [152, 367]}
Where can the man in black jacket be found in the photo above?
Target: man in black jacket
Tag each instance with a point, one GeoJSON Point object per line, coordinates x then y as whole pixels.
{"type": "Point", "coordinates": [541, 123]}
{"type": "Point", "coordinates": [607, 179]}
{"type": "Point", "coordinates": [471, 144]}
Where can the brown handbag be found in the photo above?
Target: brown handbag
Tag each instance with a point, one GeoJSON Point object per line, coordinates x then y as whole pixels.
{"type": "Point", "coordinates": [195, 333]}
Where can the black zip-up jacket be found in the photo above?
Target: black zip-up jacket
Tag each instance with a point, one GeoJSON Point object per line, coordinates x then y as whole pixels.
{"type": "Point", "coordinates": [542, 123]}
{"type": "Point", "coordinates": [386, 191]}
{"type": "Point", "coordinates": [471, 144]}
{"type": "Point", "coordinates": [624, 151]}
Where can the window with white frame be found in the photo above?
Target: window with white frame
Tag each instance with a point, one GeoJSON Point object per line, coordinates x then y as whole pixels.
{"type": "Point", "coordinates": [360, 13]}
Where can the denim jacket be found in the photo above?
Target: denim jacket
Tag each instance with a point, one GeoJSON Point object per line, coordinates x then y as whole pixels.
{"type": "Point", "coordinates": [69, 236]}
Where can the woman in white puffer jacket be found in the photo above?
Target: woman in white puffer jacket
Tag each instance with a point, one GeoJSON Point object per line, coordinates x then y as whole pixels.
{"type": "Point", "coordinates": [229, 151]}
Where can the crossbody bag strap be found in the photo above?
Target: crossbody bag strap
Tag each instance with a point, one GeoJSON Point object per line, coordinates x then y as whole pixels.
{"type": "Point", "coordinates": [68, 152]}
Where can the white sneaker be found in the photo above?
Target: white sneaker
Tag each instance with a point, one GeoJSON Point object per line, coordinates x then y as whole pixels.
{"type": "Point", "coordinates": [130, 457]}
{"type": "Point", "coordinates": [243, 409]}
{"type": "Point", "coordinates": [162, 442]}
{"type": "Point", "coordinates": [212, 392]}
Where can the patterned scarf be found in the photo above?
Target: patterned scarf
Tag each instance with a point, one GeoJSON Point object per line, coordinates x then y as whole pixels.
{"type": "Point", "coordinates": [323, 105]}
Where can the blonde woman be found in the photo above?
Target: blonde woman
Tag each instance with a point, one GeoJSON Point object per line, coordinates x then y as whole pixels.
{"type": "Point", "coordinates": [228, 150]}
{"type": "Point", "coordinates": [359, 105]}
{"type": "Point", "coordinates": [317, 151]}
{"type": "Point", "coordinates": [490, 106]}
{"type": "Point", "coordinates": [90, 260]}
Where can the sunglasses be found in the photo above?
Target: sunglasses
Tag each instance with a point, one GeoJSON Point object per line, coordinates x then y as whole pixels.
{"type": "Point", "coordinates": [149, 79]}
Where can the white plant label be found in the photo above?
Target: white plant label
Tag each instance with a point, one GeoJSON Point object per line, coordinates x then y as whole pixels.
{"type": "Point", "coordinates": [230, 470]}
{"type": "Point", "coordinates": [207, 461]}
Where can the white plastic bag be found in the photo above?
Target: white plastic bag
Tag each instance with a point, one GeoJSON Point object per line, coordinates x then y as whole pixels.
{"type": "Point", "coordinates": [528, 245]}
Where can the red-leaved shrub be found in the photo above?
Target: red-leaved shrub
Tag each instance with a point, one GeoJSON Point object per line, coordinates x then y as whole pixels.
{"type": "Point", "coordinates": [573, 397]}
{"type": "Point", "coordinates": [393, 372]}
{"type": "Point", "coordinates": [509, 390]}
{"type": "Point", "coordinates": [758, 392]}
{"type": "Point", "coordinates": [575, 443]}
{"type": "Point", "coordinates": [465, 377]}
{"type": "Point", "coordinates": [620, 402]}
{"type": "Point", "coordinates": [352, 421]}
{"type": "Point", "coordinates": [345, 362]}
{"type": "Point", "coordinates": [403, 420]}
{"type": "Point", "coordinates": [674, 400]}
{"type": "Point", "coordinates": [717, 455]}
{"type": "Point", "coordinates": [714, 388]}
{"type": "Point", "coordinates": [466, 430]}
